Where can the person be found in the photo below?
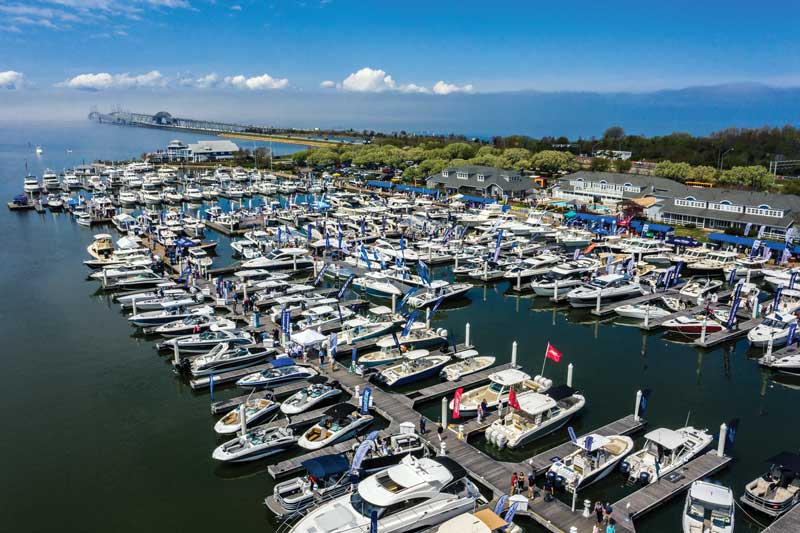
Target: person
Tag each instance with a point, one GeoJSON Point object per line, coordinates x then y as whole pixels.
{"type": "Point", "coordinates": [511, 491]}
{"type": "Point", "coordinates": [532, 484]}
{"type": "Point", "coordinates": [612, 528]}
{"type": "Point", "coordinates": [385, 446]}
{"type": "Point", "coordinates": [322, 359]}
{"type": "Point", "coordinates": [485, 407]}
{"type": "Point", "coordinates": [549, 489]}
{"type": "Point", "coordinates": [608, 511]}
{"type": "Point", "coordinates": [598, 512]}
{"type": "Point", "coordinates": [520, 483]}
{"type": "Point", "coordinates": [276, 335]}
{"type": "Point", "coordinates": [480, 413]}
{"type": "Point", "coordinates": [439, 431]}
{"type": "Point", "coordinates": [422, 425]}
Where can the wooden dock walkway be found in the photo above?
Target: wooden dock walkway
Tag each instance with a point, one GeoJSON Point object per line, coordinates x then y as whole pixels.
{"type": "Point", "coordinates": [283, 390]}
{"type": "Point", "coordinates": [719, 337]}
{"type": "Point", "coordinates": [541, 462]}
{"type": "Point", "coordinates": [609, 309]}
{"type": "Point", "coordinates": [653, 495]}
{"type": "Point", "coordinates": [448, 387]}
{"type": "Point", "coordinates": [222, 378]}
{"type": "Point", "coordinates": [788, 523]}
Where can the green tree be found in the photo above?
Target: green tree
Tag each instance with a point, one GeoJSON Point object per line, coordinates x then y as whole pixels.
{"type": "Point", "coordinates": [552, 161]}
{"type": "Point", "coordinates": [622, 165]}
{"type": "Point", "coordinates": [514, 158]}
{"type": "Point", "coordinates": [614, 133]}
{"type": "Point", "coordinates": [322, 157]}
{"type": "Point", "coordinates": [674, 171]}
{"type": "Point", "coordinates": [600, 164]}
{"type": "Point", "coordinates": [460, 150]}
{"type": "Point", "coordinates": [791, 187]}
{"type": "Point", "coordinates": [704, 173]}
{"type": "Point", "coordinates": [752, 177]}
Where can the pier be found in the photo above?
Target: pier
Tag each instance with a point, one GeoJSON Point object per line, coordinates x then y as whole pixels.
{"type": "Point", "coordinates": [788, 523]}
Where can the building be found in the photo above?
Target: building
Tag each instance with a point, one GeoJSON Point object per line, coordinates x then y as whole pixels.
{"type": "Point", "coordinates": [674, 203]}
{"type": "Point", "coordinates": [212, 151]}
{"type": "Point", "coordinates": [177, 150]}
{"type": "Point", "coordinates": [482, 181]}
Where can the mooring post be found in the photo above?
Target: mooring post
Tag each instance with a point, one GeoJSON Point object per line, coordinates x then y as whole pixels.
{"type": "Point", "coordinates": [514, 354]}
{"type": "Point", "coordinates": [444, 412]}
{"type": "Point", "coordinates": [723, 437]}
{"type": "Point", "coordinates": [555, 291]}
{"type": "Point", "coordinates": [638, 403]}
{"type": "Point", "coordinates": [394, 303]}
{"type": "Point", "coordinates": [242, 419]}
{"type": "Point", "coordinates": [570, 369]}
{"type": "Point", "coordinates": [466, 335]}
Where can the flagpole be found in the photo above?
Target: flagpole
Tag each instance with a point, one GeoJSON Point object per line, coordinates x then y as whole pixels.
{"type": "Point", "coordinates": [545, 360]}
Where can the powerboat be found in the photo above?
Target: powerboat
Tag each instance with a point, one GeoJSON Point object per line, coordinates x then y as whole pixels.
{"type": "Point", "coordinates": [778, 490]}
{"type": "Point", "coordinates": [609, 288]}
{"type": "Point", "coordinates": [323, 316]}
{"type": "Point", "coordinates": [415, 366]}
{"type": "Point", "coordinates": [788, 364]}
{"type": "Point", "coordinates": [419, 337]}
{"type": "Point", "coordinates": [483, 521]}
{"type": "Point", "coordinates": [255, 444]}
{"type": "Point", "coordinates": [709, 508]}
{"type": "Point", "coordinates": [532, 266]}
{"type": "Point", "coordinates": [773, 329]}
{"type": "Point", "coordinates": [697, 288]}
{"type": "Point", "coordinates": [254, 411]}
{"type": "Point", "coordinates": [168, 314]}
{"type": "Point", "coordinates": [194, 324]}
{"type": "Point", "coordinates": [282, 259]}
{"type": "Point", "coordinates": [31, 185]}
{"type": "Point", "coordinates": [555, 285]}
{"type": "Point", "coordinates": [414, 495]}
{"type": "Point", "coordinates": [642, 311]}
{"type": "Point", "coordinates": [468, 362]}
{"type": "Point", "coordinates": [340, 422]}
{"type": "Point", "coordinates": [594, 458]}
{"type": "Point", "coordinates": [170, 299]}
{"type": "Point", "coordinates": [283, 370]}
{"type": "Point", "coordinates": [327, 477]}
{"type": "Point", "coordinates": [360, 329]}
{"type": "Point", "coordinates": [497, 391]}
{"type": "Point", "coordinates": [539, 415]}
{"type": "Point", "coordinates": [436, 290]}
{"type": "Point", "coordinates": [206, 340]}
{"type": "Point", "coordinates": [224, 357]}
{"type": "Point", "coordinates": [714, 263]}
{"type": "Point", "coordinates": [694, 325]}
{"type": "Point", "coordinates": [382, 453]}
{"type": "Point", "coordinates": [575, 267]}
{"type": "Point", "coordinates": [664, 451]}
{"type": "Point", "coordinates": [309, 397]}
{"type": "Point", "coordinates": [377, 284]}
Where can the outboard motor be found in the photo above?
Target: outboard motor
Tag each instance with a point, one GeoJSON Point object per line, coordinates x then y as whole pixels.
{"type": "Point", "coordinates": [644, 478]}
{"type": "Point", "coordinates": [624, 467]}
{"type": "Point", "coordinates": [183, 366]}
{"type": "Point", "coordinates": [560, 482]}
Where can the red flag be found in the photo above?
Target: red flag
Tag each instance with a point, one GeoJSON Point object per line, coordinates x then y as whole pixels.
{"type": "Point", "coordinates": [552, 353]}
{"type": "Point", "coordinates": [457, 403]}
{"type": "Point", "coordinates": [512, 400]}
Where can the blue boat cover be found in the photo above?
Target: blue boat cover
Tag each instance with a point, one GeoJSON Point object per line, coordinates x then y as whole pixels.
{"type": "Point", "coordinates": [184, 242]}
{"type": "Point", "coordinates": [282, 361]}
{"type": "Point", "coordinates": [748, 242]}
{"type": "Point", "coordinates": [478, 199]}
{"type": "Point", "coordinates": [651, 226]}
{"type": "Point", "coordinates": [327, 465]}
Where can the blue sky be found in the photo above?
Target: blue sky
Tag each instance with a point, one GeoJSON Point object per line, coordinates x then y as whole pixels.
{"type": "Point", "coordinates": [437, 48]}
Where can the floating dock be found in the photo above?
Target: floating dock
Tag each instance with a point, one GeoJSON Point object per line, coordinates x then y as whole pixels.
{"type": "Point", "coordinates": [788, 523]}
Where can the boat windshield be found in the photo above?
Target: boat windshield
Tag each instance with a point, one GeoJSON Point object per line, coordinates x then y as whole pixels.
{"type": "Point", "coordinates": [495, 387]}
{"type": "Point", "coordinates": [699, 510]}
{"type": "Point", "coordinates": [775, 323]}
{"type": "Point", "coordinates": [360, 505]}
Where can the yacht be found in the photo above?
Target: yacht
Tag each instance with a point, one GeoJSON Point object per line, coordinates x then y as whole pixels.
{"type": "Point", "coordinates": [55, 202]}
{"type": "Point", "coordinates": [31, 185]}
{"type": "Point", "coordinates": [309, 397]}
{"type": "Point", "coordinates": [283, 370]}
{"type": "Point", "coordinates": [532, 266]}
{"type": "Point", "coordinates": [788, 363]}
{"type": "Point", "coordinates": [555, 285]}
{"type": "Point", "coordinates": [575, 267]}
{"type": "Point", "coordinates": [436, 290]}
{"type": "Point", "coordinates": [778, 490]}
{"type": "Point", "coordinates": [700, 288]}
{"type": "Point", "coordinates": [254, 444]}
{"type": "Point", "coordinates": [418, 337]}
{"type": "Point", "coordinates": [773, 329]}
{"type": "Point", "coordinates": [694, 324]}
{"type": "Point", "coordinates": [340, 422]}
{"type": "Point", "coordinates": [224, 357]}
{"type": "Point", "coordinates": [282, 259]}
{"type": "Point", "coordinates": [194, 324]}
{"type": "Point", "coordinates": [168, 314]}
{"type": "Point", "coordinates": [254, 410]}
{"type": "Point", "coordinates": [467, 362]}
{"type": "Point", "coordinates": [664, 451]}
{"type": "Point", "coordinates": [413, 495]}
{"type": "Point", "coordinates": [642, 310]}
{"type": "Point", "coordinates": [415, 366]}
{"type": "Point", "coordinates": [497, 391]}
{"type": "Point", "coordinates": [610, 287]}
{"type": "Point", "coordinates": [377, 284]}
{"type": "Point", "coordinates": [206, 340]}
{"type": "Point", "coordinates": [323, 316]}
{"type": "Point", "coordinates": [360, 329]}
{"type": "Point", "coordinates": [538, 415]}
{"type": "Point", "coordinates": [595, 458]}
{"type": "Point", "coordinates": [405, 442]}
{"type": "Point", "coordinates": [133, 280]}
{"type": "Point", "coordinates": [709, 508]}
{"type": "Point", "coordinates": [714, 263]}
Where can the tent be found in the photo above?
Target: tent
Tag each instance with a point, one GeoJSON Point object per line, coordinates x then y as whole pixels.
{"type": "Point", "coordinates": [308, 337]}
{"type": "Point", "coordinates": [651, 226]}
{"type": "Point", "coordinates": [382, 184]}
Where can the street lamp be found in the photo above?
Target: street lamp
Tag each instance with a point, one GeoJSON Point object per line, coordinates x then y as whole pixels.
{"type": "Point", "coordinates": [722, 157]}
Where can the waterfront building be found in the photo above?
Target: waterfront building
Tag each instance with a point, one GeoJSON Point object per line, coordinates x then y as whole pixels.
{"type": "Point", "coordinates": [212, 151]}
{"type": "Point", "coordinates": [482, 181]}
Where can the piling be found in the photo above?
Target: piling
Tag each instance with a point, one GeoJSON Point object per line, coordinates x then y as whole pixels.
{"type": "Point", "coordinates": [514, 354]}
{"type": "Point", "coordinates": [444, 411]}
{"type": "Point", "coordinates": [723, 437]}
{"type": "Point", "coordinates": [570, 368]}
{"type": "Point", "coordinates": [466, 335]}
{"type": "Point", "coordinates": [638, 403]}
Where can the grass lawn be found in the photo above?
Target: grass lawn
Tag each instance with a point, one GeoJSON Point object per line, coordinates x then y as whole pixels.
{"type": "Point", "coordinates": [696, 233]}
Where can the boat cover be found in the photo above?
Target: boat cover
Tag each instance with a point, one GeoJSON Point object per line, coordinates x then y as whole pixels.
{"type": "Point", "coordinates": [282, 361]}
{"type": "Point", "coordinates": [559, 392]}
{"type": "Point", "coordinates": [326, 465]}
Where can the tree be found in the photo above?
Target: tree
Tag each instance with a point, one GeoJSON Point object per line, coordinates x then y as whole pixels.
{"type": "Point", "coordinates": [703, 173]}
{"type": "Point", "coordinates": [622, 165]}
{"type": "Point", "coordinates": [514, 158]}
{"type": "Point", "coordinates": [600, 164]}
{"type": "Point", "coordinates": [753, 177]}
{"type": "Point", "coordinates": [791, 187]}
{"type": "Point", "coordinates": [460, 150]}
{"type": "Point", "coordinates": [674, 171]}
{"type": "Point", "coordinates": [552, 161]}
{"type": "Point", "coordinates": [614, 133]}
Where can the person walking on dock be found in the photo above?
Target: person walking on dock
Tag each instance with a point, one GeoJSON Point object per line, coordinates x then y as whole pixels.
{"type": "Point", "coordinates": [532, 484]}
{"type": "Point", "coordinates": [422, 425]}
{"type": "Point", "coordinates": [598, 512]}
{"type": "Point", "coordinates": [520, 483]}
{"type": "Point", "coordinates": [513, 484]}
{"type": "Point", "coordinates": [439, 431]}
{"type": "Point", "coordinates": [608, 511]}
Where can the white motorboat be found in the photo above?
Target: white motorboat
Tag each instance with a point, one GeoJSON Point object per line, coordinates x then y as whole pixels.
{"type": "Point", "coordinates": [418, 337]}
{"type": "Point", "coordinates": [483, 521]}
{"type": "Point", "coordinates": [497, 391]}
{"type": "Point", "coordinates": [664, 451]}
{"type": "Point", "coordinates": [31, 185]}
{"type": "Point", "coordinates": [774, 328]}
{"type": "Point", "coordinates": [54, 202]}
{"type": "Point", "coordinates": [169, 313]}
{"type": "Point", "coordinates": [386, 452]}
{"type": "Point", "coordinates": [609, 288]}
{"type": "Point", "coordinates": [360, 329]}
{"type": "Point", "coordinates": [700, 287]}
{"type": "Point", "coordinates": [194, 324]}
{"type": "Point", "coordinates": [641, 311]}
{"type": "Point", "coordinates": [254, 411]}
{"type": "Point", "coordinates": [438, 289]}
{"type": "Point", "coordinates": [554, 285]}
{"type": "Point", "coordinates": [532, 266]}
{"type": "Point", "coordinates": [778, 490]}
{"type": "Point", "coordinates": [415, 366]}
{"type": "Point", "coordinates": [309, 397]}
{"type": "Point", "coordinates": [224, 357]}
{"type": "Point", "coordinates": [709, 508]}
{"type": "Point", "coordinates": [789, 363]}
{"type": "Point", "coordinates": [575, 267]}
{"type": "Point", "coordinates": [414, 495]}
{"type": "Point", "coordinates": [255, 444]}
{"type": "Point", "coordinates": [283, 370]}
{"type": "Point", "coordinates": [323, 316]}
{"type": "Point", "coordinates": [327, 477]}
{"type": "Point", "coordinates": [539, 415]}
{"type": "Point", "coordinates": [128, 198]}
{"type": "Point", "coordinates": [170, 299]}
{"type": "Point", "coordinates": [468, 362]}
{"type": "Point", "coordinates": [282, 259]}
{"type": "Point", "coordinates": [377, 284]}
{"type": "Point", "coordinates": [595, 457]}
{"type": "Point", "coordinates": [206, 340]}
{"type": "Point", "coordinates": [137, 279]}
{"type": "Point", "coordinates": [714, 263]}
{"type": "Point", "coordinates": [340, 422]}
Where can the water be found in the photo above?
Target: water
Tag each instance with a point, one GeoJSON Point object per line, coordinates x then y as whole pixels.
{"type": "Point", "coordinates": [104, 437]}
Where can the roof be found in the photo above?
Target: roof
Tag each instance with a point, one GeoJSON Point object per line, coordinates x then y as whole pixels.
{"type": "Point", "coordinates": [666, 438]}
{"type": "Point", "coordinates": [326, 465]}
{"type": "Point", "coordinates": [491, 176]}
{"type": "Point", "coordinates": [597, 442]}
{"type": "Point", "coordinates": [213, 146]}
{"type": "Point", "coordinates": [534, 403]}
{"type": "Point", "coordinates": [509, 376]}
{"type": "Point", "coordinates": [712, 493]}
{"type": "Point", "coordinates": [748, 242]}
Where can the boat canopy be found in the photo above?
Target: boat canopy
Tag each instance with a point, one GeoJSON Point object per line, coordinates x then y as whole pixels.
{"type": "Point", "coordinates": [559, 392]}
{"type": "Point", "coordinates": [666, 438]}
{"type": "Point", "coordinates": [308, 337]}
{"type": "Point", "coordinates": [282, 361]}
{"type": "Point", "coordinates": [533, 403]}
{"type": "Point", "coordinates": [711, 493]}
{"type": "Point", "coordinates": [477, 199]}
{"type": "Point", "coordinates": [748, 242]}
{"type": "Point", "coordinates": [184, 242]}
{"type": "Point", "coordinates": [327, 465]}
{"type": "Point", "coordinates": [509, 377]}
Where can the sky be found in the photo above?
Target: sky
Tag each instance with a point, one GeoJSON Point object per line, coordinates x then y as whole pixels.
{"type": "Point", "coordinates": [124, 51]}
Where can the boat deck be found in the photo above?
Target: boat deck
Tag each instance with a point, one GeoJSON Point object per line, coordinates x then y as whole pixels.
{"type": "Point", "coordinates": [609, 309]}
{"type": "Point", "coordinates": [294, 465]}
{"type": "Point", "coordinates": [283, 390]}
{"type": "Point", "coordinates": [226, 377]}
{"type": "Point", "coordinates": [447, 387]}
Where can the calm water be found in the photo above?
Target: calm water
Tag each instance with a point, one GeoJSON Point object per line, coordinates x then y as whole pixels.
{"type": "Point", "coordinates": [106, 438]}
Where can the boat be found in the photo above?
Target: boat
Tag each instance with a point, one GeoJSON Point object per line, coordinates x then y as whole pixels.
{"type": "Point", "coordinates": [133, 280]}
{"type": "Point", "coordinates": [360, 329]}
{"type": "Point", "coordinates": [714, 263]}
{"type": "Point", "coordinates": [224, 357]}
{"type": "Point", "coordinates": [700, 288]}
{"type": "Point", "coordinates": [418, 337]}
{"type": "Point", "coordinates": [468, 362]}
{"type": "Point", "coordinates": [327, 477]}
{"type": "Point", "coordinates": [497, 391]}
{"type": "Point", "coordinates": [788, 364]}
{"type": "Point", "coordinates": [664, 451]}
{"type": "Point", "coordinates": [415, 366]}
{"type": "Point", "coordinates": [170, 299]}
{"type": "Point", "coordinates": [254, 410]}
{"type": "Point", "coordinates": [412, 496]}
{"type": "Point", "coordinates": [309, 397]}
{"type": "Point", "coordinates": [554, 285]}
{"type": "Point", "coordinates": [608, 288]}
{"type": "Point", "coordinates": [102, 246]}
{"type": "Point", "coordinates": [282, 259]}
{"type": "Point", "coordinates": [532, 266]}
{"type": "Point", "coordinates": [54, 202]}
{"type": "Point", "coordinates": [84, 219]}
{"type": "Point", "coordinates": [693, 325]}
{"type": "Point", "coordinates": [255, 444]}
{"type": "Point", "coordinates": [339, 422]}
{"type": "Point", "coordinates": [382, 453]}
{"type": "Point", "coordinates": [31, 185]}
{"type": "Point", "coordinates": [575, 267]}
{"type": "Point", "coordinates": [283, 370]}
{"type": "Point", "coordinates": [641, 311]}
{"type": "Point", "coordinates": [778, 490]}
{"type": "Point", "coordinates": [438, 290]}
{"type": "Point", "coordinates": [709, 508]}
{"type": "Point", "coordinates": [169, 313]}
{"type": "Point", "coordinates": [539, 414]}
{"type": "Point", "coordinates": [206, 340]}
{"type": "Point", "coordinates": [595, 457]}
{"type": "Point", "coordinates": [194, 324]}
{"type": "Point", "coordinates": [483, 521]}
{"type": "Point", "coordinates": [323, 316]}
{"type": "Point", "coordinates": [774, 329]}
{"type": "Point", "coordinates": [377, 284]}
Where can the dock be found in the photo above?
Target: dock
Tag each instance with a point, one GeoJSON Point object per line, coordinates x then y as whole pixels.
{"type": "Point", "coordinates": [448, 387]}
{"type": "Point", "coordinates": [295, 464]}
{"type": "Point", "coordinates": [226, 377]}
{"type": "Point", "coordinates": [739, 330]}
{"type": "Point", "coordinates": [280, 391]}
{"type": "Point", "coordinates": [609, 309]}
{"type": "Point", "coordinates": [788, 523]}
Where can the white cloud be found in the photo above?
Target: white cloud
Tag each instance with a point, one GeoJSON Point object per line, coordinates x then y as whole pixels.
{"type": "Point", "coordinates": [203, 82]}
{"type": "Point", "coordinates": [442, 87]}
{"type": "Point", "coordinates": [236, 7]}
{"type": "Point", "coordinates": [103, 80]}
{"type": "Point", "coordinates": [256, 83]}
{"type": "Point", "coordinates": [328, 84]}
{"type": "Point", "coordinates": [11, 79]}
{"type": "Point", "coordinates": [369, 80]}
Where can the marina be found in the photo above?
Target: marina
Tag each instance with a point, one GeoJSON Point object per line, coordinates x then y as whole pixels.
{"type": "Point", "coordinates": [292, 310]}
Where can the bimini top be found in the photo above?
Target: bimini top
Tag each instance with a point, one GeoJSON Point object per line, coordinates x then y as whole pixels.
{"type": "Point", "coordinates": [666, 438]}
{"type": "Point", "coordinates": [596, 442]}
{"type": "Point", "coordinates": [340, 410]}
{"type": "Point", "coordinates": [281, 362]}
{"type": "Point", "coordinates": [712, 493]}
{"type": "Point", "coordinates": [559, 392]}
{"type": "Point", "coordinates": [533, 403]}
{"type": "Point", "coordinates": [509, 377]}
{"type": "Point", "coordinates": [324, 466]}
